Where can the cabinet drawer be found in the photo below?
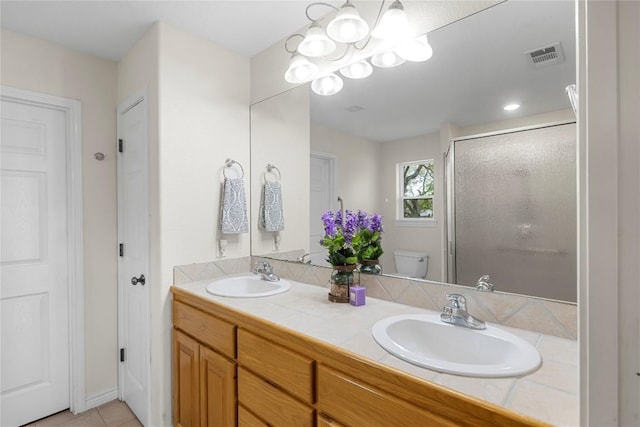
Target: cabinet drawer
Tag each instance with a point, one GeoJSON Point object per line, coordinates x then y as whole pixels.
{"type": "Point", "coordinates": [247, 419]}
{"type": "Point", "coordinates": [323, 420]}
{"type": "Point", "coordinates": [215, 333]}
{"type": "Point", "coordinates": [270, 403]}
{"type": "Point", "coordinates": [283, 367]}
{"type": "Point", "coordinates": [358, 404]}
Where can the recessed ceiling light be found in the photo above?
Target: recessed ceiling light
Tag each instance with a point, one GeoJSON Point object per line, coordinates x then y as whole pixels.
{"type": "Point", "coordinates": [511, 107]}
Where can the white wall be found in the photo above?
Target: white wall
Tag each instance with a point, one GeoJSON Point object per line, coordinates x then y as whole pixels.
{"type": "Point", "coordinates": [204, 111]}
{"type": "Point", "coordinates": [36, 65]}
{"type": "Point", "coordinates": [629, 178]}
{"type": "Point", "coordinates": [280, 134]}
{"type": "Point", "coordinates": [357, 173]}
{"type": "Point", "coordinates": [608, 83]}
{"type": "Point", "coordinates": [502, 125]}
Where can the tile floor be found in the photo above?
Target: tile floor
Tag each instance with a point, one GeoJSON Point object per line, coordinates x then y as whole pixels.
{"type": "Point", "coordinates": [112, 414]}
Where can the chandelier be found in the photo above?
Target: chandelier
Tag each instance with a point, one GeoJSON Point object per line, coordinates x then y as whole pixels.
{"type": "Point", "coordinates": [323, 51]}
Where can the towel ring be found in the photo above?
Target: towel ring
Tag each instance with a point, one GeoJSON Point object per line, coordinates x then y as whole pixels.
{"type": "Point", "coordinates": [271, 168]}
{"type": "Point", "coordinates": [229, 163]}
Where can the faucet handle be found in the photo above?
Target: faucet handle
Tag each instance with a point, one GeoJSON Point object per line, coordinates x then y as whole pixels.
{"type": "Point", "coordinates": [260, 266]}
{"type": "Point", "coordinates": [484, 283]}
{"type": "Point", "coordinates": [457, 301]}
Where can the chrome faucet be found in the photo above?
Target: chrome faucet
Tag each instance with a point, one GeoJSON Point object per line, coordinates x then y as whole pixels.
{"type": "Point", "coordinates": [265, 270]}
{"type": "Point", "coordinates": [455, 312]}
{"type": "Point", "coordinates": [484, 284]}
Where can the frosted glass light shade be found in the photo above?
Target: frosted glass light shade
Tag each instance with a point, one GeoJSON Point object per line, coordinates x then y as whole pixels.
{"type": "Point", "coordinates": [327, 85]}
{"type": "Point", "coordinates": [387, 60]}
{"type": "Point", "coordinates": [316, 42]}
{"type": "Point", "coordinates": [357, 70]}
{"type": "Point", "coordinates": [300, 69]}
{"type": "Point", "coordinates": [416, 50]}
{"type": "Point", "coordinates": [348, 26]}
{"type": "Point", "coordinates": [394, 25]}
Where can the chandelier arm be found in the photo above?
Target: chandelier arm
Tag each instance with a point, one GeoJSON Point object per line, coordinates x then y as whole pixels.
{"type": "Point", "coordinates": [375, 24]}
{"type": "Point", "coordinates": [306, 11]}
{"type": "Point", "coordinates": [286, 42]}
{"type": "Point", "coordinates": [341, 57]}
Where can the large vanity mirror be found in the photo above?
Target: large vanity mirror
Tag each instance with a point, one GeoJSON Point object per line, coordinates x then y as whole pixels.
{"type": "Point", "coordinates": [503, 195]}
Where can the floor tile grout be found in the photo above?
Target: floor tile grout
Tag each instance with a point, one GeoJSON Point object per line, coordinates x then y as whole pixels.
{"type": "Point", "coordinates": [70, 419]}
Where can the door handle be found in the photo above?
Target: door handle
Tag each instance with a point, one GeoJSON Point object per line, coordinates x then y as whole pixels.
{"type": "Point", "coordinates": [135, 280]}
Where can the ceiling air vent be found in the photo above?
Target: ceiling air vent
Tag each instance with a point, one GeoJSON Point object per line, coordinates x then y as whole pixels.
{"type": "Point", "coordinates": [545, 56]}
{"type": "Point", "coordinates": [354, 108]}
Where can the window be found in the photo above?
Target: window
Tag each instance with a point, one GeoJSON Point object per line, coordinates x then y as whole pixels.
{"type": "Point", "coordinates": [415, 190]}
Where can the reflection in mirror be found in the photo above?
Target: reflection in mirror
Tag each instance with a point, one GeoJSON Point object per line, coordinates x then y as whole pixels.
{"type": "Point", "coordinates": [361, 137]}
{"type": "Point", "coordinates": [279, 154]}
{"type": "Point", "coordinates": [513, 214]}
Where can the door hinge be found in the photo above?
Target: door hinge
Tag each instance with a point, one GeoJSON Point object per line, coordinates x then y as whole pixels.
{"type": "Point", "coordinates": [121, 249]}
{"type": "Point", "coordinates": [120, 146]}
{"type": "Point", "coordinates": [122, 354]}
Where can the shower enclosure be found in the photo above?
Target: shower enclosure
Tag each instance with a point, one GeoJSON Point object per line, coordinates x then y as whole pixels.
{"type": "Point", "coordinates": [511, 211]}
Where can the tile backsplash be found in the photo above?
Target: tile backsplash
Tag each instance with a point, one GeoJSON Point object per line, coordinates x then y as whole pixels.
{"type": "Point", "coordinates": [534, 314]}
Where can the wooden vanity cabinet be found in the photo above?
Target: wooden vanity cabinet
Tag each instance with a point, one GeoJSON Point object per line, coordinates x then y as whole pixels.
{"type": "Point", "coordinates": [275, 383]}
{"type": "Point", "coordinates": [356, 403]}
{"type": "Point", "coordinates": [232, 368]}
{"type": "Point", "coordinates": [186, 376]}
{"type": "Point", "coordinates": [204, 379]}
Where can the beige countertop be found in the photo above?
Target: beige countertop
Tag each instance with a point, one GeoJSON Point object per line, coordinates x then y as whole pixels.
{"type": "Point", "coordinates": [549, 394]}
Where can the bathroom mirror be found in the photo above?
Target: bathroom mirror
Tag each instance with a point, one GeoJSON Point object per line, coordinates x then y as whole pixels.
{"type": "Point", "coordinates": [413, 112]}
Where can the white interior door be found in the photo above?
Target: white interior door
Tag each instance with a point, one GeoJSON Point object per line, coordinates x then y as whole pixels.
{"type": "Point", "coordinates": [34, 272]}
{"type": "Point", "coordinates": [133, 267]}
{"type": "Point", "coordinates": [322, 196]}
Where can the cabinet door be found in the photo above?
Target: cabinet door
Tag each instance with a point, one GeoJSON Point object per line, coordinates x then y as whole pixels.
{"type": "Point", "coordinates": [217, 389]}
{"type": "Point", "coordinates": [186, 381]}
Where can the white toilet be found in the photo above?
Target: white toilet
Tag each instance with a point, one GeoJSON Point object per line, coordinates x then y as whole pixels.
{"type": "Point", "coordinates": [411, 263]}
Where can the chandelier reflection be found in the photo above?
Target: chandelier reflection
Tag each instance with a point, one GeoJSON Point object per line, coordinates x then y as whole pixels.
{"type": "Point", "coordinates": [346, 34]}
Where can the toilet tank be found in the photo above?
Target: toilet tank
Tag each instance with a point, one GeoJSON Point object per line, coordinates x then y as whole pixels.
{"type": "Point", "coordinates": [411, 263]}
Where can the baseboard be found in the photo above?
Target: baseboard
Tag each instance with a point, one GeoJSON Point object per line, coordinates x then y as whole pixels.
{"type": "Point", "coordinates": [101, 398]}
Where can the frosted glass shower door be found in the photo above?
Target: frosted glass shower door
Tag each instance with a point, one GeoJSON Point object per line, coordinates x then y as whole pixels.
{"type": "Point", "coordinates": [515, 211]}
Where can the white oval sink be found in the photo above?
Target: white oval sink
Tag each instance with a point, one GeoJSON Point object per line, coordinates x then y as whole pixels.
{"type": "Point", "coordinates": [424, 340]}
{"type": "Point", "coordinates": [249, 286]}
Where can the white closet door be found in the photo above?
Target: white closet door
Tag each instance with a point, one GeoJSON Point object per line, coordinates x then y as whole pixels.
{"type": "Point", "coordinates": [34, 276]}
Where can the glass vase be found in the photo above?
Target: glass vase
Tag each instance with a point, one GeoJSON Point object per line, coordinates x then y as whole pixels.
{"type": "Point", "coordinates": [370, 266]}
{"type": "Point", "coordinates": [342, 278]}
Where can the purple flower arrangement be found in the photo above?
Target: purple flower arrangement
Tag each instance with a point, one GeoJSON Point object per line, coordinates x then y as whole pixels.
{"type": "Point", "coordinates": [367, 241]}
{"type": "Point", "coordinates": [355, 237]}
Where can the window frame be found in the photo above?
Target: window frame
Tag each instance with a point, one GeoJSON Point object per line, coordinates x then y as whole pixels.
{"type": "Point", "coordinates": [400, 197]}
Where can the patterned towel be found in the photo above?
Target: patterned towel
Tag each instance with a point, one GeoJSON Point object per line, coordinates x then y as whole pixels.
{"type": "Point", "coordinates": [233, 216]}
{"type": "Point", "coordinates": [271, 211]}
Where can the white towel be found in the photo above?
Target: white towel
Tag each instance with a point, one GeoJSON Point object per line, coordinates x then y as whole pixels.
{"type": "Point", "coordinates": [271, 210]}
{"type": "Point", "coordinates": [233, 216]}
